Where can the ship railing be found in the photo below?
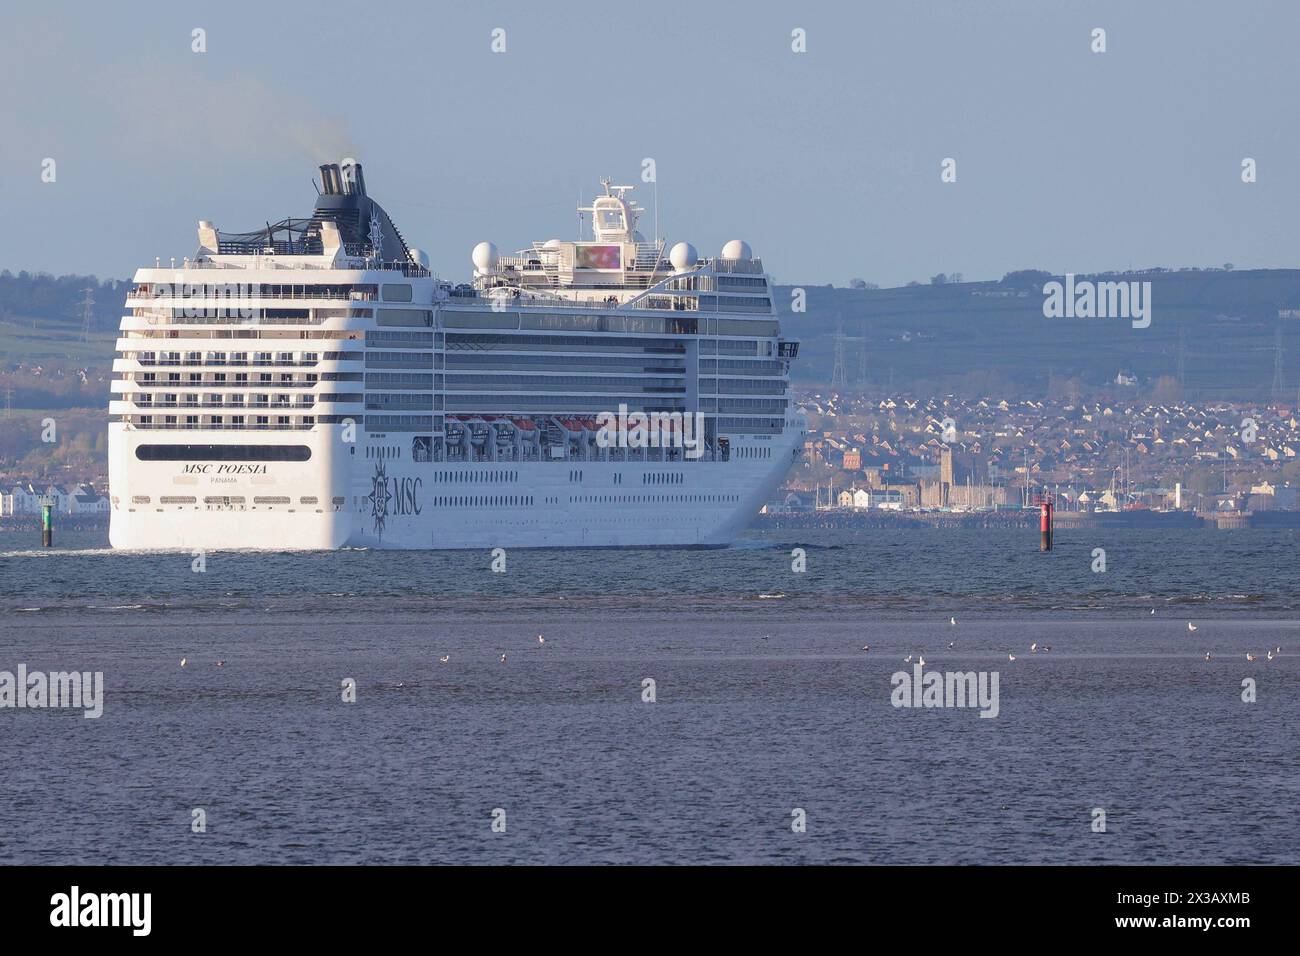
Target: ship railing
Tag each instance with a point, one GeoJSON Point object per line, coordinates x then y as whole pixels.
{"type": "Point", "coordinates": [221, 363]}
{"type": "Point", "coordinates": [528, 301]}
{"type": "Point", "coordinates": [217, 363]}
{"type": "Point", "coordinates": [297, 261]}
{"type": "Point", "coordinates": [737, 266]}
{"type": "Point", "coordinates": [532, 273]}
{"type": "Point", "coordinates": [175, 293]}
{"type": "Point", "coordinates": [232, 320]}
{"type": "Point", "coordinates": [230, 426]}
{"type": "Point", "coordinates": [254, 262]}
{"type": "Point", "coordinates": [235, 405]}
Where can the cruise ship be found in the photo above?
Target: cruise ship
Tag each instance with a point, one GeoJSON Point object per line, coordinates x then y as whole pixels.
{"type": "Point", "coordinates": [314, 385]}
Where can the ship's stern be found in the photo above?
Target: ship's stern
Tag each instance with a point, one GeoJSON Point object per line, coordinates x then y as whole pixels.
{"type": "Point", "coordinates": [208, 490]}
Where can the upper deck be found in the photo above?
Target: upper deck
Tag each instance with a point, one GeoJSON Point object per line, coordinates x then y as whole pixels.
{"type": "Point", "coordinates": [350, 253]}
{"type": "Point", "coordinates": [334, 319]}
{"type": "Point", "coordinates": [617, 268]}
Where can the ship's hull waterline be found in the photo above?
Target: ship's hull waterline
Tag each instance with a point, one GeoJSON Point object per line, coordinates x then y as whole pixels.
{"type": "Point", "coordinates": [441, 505]}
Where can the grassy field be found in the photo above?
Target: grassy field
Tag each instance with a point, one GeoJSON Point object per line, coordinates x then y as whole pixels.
{"type": "Point", "coordinates": [57, 344]}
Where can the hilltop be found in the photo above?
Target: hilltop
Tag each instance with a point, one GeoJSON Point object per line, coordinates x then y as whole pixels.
{"type": "Point", "coordinates": [985, 338]}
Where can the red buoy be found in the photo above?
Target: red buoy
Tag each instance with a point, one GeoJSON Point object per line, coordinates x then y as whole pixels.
{"type": "Point", "coordinates": [1045, 525]}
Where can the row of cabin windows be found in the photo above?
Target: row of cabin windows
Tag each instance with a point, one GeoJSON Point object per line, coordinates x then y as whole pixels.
{"type": "Point", "coordinates": [215, 400]}
{"type": "Point", "coordinates": [482, 501]}
{"type": "Point", "coordinates": [459, 477]}
{"type": "Point", "coordinates": [233, 421]}
{"type": "Point", "coordinates": [220, 378]}
{"type": "Point", "coordinates": [228, 358]}
{"type": "Point", "coordinates": [508, 501]}
{"type": "Point", "coordinates": [634, 499]}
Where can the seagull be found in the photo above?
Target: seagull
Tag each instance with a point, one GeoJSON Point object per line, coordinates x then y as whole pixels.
{"type": "Point", "coordinates": [1269, 655]}
{"type": "Point", "coordinates": [221, 663]}
{"type": "Point", "coordinates": [921, 662]}
{"type": "Point", "coordinates": [866, 647]}
{"type": "Point", "coordinates": [503, 658]}
{"type": "Point", "coordinates": [951, 645]}
{"type": "Point", "coordinates": [184, 661]}
{"type": "Point", "coordinates": [1277, 650]}
{"type": "Point", "coordinates": [952, 621]}
{"type": "Point", "coordinates": [445, 658]}
{"type": "Point", "coordinates": [1153, 610]}
{"type": "Point", "coordinates": [540, 640]}
{"type": "Point", "coordinates": [1207, 655]}
{"type": "Point", "coordinates": [1250, 657]}
{"type": "Point", "coordinates": [1191, 626]}
{"type": "Point", "coordinates": [1047, 647]}
{"type": "Point", "coordinates": [1011, 657]}
{"type": "Point", "coordinates": [907, 659]}
{"type": "Point", "coordinates": [1033, 648]}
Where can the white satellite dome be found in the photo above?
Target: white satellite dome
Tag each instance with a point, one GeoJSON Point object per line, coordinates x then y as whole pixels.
{"type": "Point", "coordinates": [551, 244]}
{"type": "Point", "coordinates": [485, 258]}
{"type": "Point", "coordinates": [419, 257]}
{"type": "Point", "coordinates": [737, 249]}
{"type": "Point", "coordinates": [683, 257]}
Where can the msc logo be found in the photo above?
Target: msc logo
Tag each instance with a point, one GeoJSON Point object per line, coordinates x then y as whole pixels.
{"type": "Point", "coordinates": [391, 497]}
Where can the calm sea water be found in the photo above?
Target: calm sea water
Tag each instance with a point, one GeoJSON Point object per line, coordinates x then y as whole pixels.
{"type": "Point", "coordinates": [766, 702]}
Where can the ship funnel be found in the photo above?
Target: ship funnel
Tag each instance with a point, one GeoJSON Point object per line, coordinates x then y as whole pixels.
{"type": "Point", "coordinates": [354, 183]}
{"type": "Point", "coordinates": [330, 180]}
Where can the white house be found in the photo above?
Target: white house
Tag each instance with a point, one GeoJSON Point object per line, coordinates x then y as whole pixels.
{"type": "Point", "coordinates": [85, 500]}
{"type": "Point", "coordinates": [20, 500]}
{"type": "Point", "coordinates": [87, 503]}
{"type": "Point", "coordinates": [856, 498]}
{"type": "Point", "coordinates": [26, 499]}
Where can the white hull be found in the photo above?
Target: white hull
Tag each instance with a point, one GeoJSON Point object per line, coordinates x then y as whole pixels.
{"type": "Point", "coordinates": [398, 503]}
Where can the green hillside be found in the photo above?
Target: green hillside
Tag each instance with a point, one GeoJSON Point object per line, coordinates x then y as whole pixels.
{"type": "Point", "coordinates": [45, 342]}
{"type": "Point", "coordinates": [992, 337]}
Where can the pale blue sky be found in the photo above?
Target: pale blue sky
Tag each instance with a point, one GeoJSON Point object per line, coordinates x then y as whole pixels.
{"type": "Point", "coordinates": [827, 162]}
